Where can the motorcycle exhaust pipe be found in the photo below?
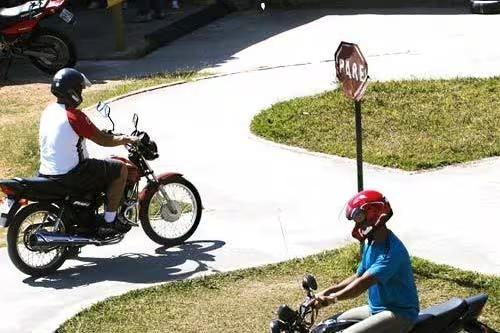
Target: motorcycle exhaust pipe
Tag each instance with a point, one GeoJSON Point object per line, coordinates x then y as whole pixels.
{"type": "Point", "coordinates": [50, 239]}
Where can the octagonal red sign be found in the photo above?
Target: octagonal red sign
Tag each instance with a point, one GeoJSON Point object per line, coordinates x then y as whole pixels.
{"type": "Point", "coordinates": [352, 70]}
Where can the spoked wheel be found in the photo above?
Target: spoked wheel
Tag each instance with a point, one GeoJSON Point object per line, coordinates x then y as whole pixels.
{"type": "Point", "coordinates": [171, 222]}
{"type": "Point", "coordinates": [26, 257]}
{"type": "Point", "coordinates": [51, 51]}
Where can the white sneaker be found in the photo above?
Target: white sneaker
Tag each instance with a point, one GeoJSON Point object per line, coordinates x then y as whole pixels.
{"type": "Point", "coordinates": [175, 4]}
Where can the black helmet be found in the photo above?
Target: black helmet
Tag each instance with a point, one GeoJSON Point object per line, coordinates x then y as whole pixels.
{"type": "Point", "coordinates": [67, 86]}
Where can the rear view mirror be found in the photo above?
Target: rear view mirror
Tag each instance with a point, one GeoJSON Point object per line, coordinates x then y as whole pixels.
{"type": "Point", "coordinates": [135, 120]}
{"type": "Point", "coordinates": [104, 109]}
{"type": "Point", "coordinates": [309, 283]}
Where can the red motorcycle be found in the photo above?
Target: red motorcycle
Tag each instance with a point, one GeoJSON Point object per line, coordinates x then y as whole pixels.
{"type": "Point", "coordinates": [22, 37]}
{"type": "Point", "coordinates": [48, 223]}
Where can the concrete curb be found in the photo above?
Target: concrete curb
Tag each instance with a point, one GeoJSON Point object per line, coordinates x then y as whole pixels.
{"type": "Point", "coordinates": [169, 33]}
{"type": "Point", "coordinates": [188, 24]}
{"type": "Point", "coordinates": [175, 83]}
{"type": "Point", "coordinates": [340, 159]}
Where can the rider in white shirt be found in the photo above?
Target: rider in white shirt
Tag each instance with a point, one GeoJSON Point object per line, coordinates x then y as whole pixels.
{"type": "Point", "coordinates": [63, 154]}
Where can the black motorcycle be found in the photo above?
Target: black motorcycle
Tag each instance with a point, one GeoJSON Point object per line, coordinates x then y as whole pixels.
{"type": "Point", "coordinates": [453, 316]}
{"type": "Point", "coordinates": [49, 222]}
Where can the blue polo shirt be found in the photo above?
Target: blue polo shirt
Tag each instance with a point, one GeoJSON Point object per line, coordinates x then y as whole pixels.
{"type": "Point", "coordinates": [395, 290]}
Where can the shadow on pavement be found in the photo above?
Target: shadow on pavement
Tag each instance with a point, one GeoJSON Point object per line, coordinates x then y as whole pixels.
{"type": "Point", "coordinates": [218, 42]}
{"type": "Point", "coordinates": [135, 267]}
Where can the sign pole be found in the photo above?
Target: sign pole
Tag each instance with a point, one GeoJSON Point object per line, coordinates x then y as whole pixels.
{"type": "Point", "coordinates": [359, 144]}
{"type": "Point", "coordinates": [352, 72]}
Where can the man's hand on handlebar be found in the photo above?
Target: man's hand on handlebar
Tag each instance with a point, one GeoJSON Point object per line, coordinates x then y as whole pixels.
{"type": "Point", "coordinates": [130, 139]}
{"type": "Point", "coordinates": [323, 301]}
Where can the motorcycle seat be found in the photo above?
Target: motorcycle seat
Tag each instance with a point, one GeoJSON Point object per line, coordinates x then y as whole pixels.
{"type": "Point", "coordinates": [40, 188]}
{"type": "Point", "coordinates": [14, 12]}
{"type": "Point", "coordinates": [438, 317]}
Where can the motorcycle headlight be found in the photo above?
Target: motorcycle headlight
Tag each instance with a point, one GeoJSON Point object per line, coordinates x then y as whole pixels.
{"type": "Point", "coordinates": [286, 314]}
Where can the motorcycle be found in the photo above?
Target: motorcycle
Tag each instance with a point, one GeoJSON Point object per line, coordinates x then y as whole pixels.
{"type": "Point", "coordinates": [21, 36]}
{"type": "Point", "coordinates": [453, 316]}
{"type": "Point", "coordinates": [49, 223]}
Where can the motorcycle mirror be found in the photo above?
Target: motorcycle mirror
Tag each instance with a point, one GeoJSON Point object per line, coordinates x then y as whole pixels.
{"type": "Point", "coordinates": [135, 120]}
{"type": "Point", "coordinates": [309, 283]}
{"type": "Point", "coordinates": [105, 110]}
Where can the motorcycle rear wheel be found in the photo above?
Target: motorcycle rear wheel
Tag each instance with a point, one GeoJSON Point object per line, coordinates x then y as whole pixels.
{"type": "Point", "coordinates": [43, 262]}
{"type": "Point", "coordinates": [162, 225]}
{"type": "Point", "coordinates": [54, 43]}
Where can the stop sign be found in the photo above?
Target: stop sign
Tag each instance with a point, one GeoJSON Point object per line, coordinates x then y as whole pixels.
{"type": "Point", "coordinates": [352, 70]}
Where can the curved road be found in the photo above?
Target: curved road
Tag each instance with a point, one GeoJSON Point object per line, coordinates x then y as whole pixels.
{"type": "Point", "coordinates": [266, 203]}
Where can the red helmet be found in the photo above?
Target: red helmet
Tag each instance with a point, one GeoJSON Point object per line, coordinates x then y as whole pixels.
{"type": "Point", "coordinates": [368, 209]}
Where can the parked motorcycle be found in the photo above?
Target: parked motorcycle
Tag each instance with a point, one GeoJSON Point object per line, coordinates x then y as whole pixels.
{"type": "Point", "coordinates": [453, 316]}
{"type": "Point", "coordinates": [49, 222]}
{"type": "Point", "coordinates": [22, 37]}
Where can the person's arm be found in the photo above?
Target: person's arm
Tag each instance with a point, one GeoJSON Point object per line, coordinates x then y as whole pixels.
{"type": "Point", "coordinates": [338, 286]}
{"type": "Point", "coordinates": [84, 127]}
{"type": "Point", "coordinates": [109, 140]}
{"type": "Point", "coordinates": [355, 288]}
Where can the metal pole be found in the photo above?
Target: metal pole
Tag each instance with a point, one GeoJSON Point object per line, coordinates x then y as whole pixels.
{"type": "Point", "coordinates": [117, 14]}
{"type": "Point", "coordinates": [359, 156]}
{"type": "Point", "coordinates": [359, 145]}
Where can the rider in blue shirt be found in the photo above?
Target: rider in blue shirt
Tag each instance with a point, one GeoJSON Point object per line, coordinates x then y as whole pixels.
{"type": "Point", "coordinates": [385, 271]}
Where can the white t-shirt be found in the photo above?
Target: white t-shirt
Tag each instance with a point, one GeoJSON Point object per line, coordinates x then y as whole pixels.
{"type": "Point", "coordinates": [62, 139]}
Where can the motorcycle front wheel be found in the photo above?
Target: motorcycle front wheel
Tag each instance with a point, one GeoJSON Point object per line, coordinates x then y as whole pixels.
{"type": "Point", "coordinates": [28, 259]}
{"type": "Point", "coordinates": [171, 222]}
{"type": "Point", "coordinates": [53, 50]}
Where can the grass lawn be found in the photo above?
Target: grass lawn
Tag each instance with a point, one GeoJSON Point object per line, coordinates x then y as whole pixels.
{"type": "Point", "coordinates": [20, 108]}
{"type": "Point", "coordinates": [411, 125]}
{"type": "Point", "coordinates": [246, 300]}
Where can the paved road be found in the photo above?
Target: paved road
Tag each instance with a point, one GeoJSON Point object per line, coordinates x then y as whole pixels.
{"type": "Point", "coordinates": [266, 203]}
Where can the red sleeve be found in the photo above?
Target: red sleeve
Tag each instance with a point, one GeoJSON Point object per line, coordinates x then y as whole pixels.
{"type": "Point", "coordinates": [80, 123]}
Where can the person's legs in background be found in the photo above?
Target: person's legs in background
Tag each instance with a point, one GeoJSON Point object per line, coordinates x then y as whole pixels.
{"type": "Point", "coordinates": [94, 4]}
{"type": "Point", "coordinates": [159, 7]}
{"type": "Point", "coordinates": [144, 13]}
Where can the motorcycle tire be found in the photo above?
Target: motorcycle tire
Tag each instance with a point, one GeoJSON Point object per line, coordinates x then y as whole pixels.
{"type": "Point", "coordinates": [13, 240]}
{"type": "Point", "coordinates": [59, 44]}
{"type": "Point", "coordinates": [146, 222]}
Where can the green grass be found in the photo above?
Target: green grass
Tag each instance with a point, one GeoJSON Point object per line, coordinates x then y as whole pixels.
{"type": "Point", "coordinates": [411, 125]}
{"type": "Point", "coordinates": [245, 300]}
{"type": "Point", "coordinates": [20, 108]}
